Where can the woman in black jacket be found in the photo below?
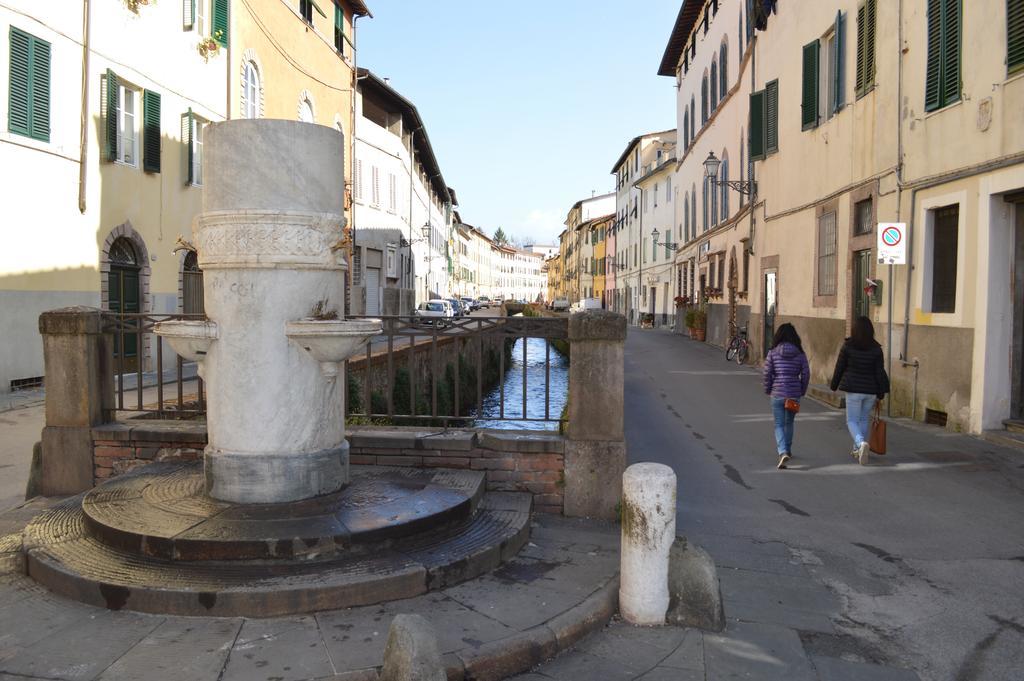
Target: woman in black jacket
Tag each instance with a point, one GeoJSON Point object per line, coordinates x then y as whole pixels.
{"type": "Point", "coordinates": [860, 372]}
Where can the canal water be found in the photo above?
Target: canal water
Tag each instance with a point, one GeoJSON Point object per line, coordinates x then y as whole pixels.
{"type": "Point", "coordinates": [512, 389]}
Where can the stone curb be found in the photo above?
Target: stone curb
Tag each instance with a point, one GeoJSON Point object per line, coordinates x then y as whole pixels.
{"type": "Point", "coordinates": [519, 653]}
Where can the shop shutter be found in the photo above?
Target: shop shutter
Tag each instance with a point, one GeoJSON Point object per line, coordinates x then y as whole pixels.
{"type": "Point", "coordinates": [151, 131]}
{"type": "Point", "coordinates": [809, 99]}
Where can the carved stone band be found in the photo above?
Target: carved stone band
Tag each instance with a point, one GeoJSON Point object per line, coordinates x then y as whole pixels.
{"type": "Point", "coordinates": [269, 239]}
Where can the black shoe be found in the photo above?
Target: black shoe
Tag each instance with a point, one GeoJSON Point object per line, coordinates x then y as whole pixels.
{"type": "Point", "coordinates": [783, 459]}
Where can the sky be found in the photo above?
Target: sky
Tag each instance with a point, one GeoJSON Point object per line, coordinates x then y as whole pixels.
{"type": "Point", "coordinates": [526, 111]}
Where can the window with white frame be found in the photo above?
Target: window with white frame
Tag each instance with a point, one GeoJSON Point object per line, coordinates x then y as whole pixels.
{"type": "Point", "coordinates": [392, 192]}
{"type": "Point", "coordinates": [128, 125]}
{"type": "Point", "coordinates": [250, 91]}
{"type": "Point", "coordinates": [306, 111]}
{"type": "Point", "coordinates": [200, 16]}
{"type": "Point", "coordinates": [375, 186]}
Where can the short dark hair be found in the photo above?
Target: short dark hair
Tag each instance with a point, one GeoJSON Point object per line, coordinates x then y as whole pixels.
{"type": "Point", "coordinates": [863, 334]}
{"type": "Point", "coordinates": [787, 334]}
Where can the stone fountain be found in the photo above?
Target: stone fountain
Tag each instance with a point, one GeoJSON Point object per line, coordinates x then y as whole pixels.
{"type": "Point", "coordinates": [274, 520]}
{"type": "Point", "coordinates": [269, 244]}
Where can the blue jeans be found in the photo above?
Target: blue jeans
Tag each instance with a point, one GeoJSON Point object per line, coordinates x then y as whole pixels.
{"type": "Point", "coordinates": [858, 415]}
{"type": "Point", "coordinates": [783, 425]}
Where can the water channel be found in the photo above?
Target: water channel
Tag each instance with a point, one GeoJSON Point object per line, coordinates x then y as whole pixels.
{"type": "Point", "coordinates": [512, 389]}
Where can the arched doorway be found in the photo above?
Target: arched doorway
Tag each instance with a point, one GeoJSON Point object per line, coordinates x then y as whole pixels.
{"type": "Point", "coordinates": [191, 285]}
{"type": "Point", "coordinates": [124, 296]}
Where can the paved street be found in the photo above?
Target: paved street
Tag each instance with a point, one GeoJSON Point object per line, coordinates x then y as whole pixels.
{"type": "Point", "coordinates": [828, 570]}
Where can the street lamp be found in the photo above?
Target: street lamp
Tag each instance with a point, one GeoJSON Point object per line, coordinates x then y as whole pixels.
{"type": "Point", "coordinates": [655, 234]}
{"type": "Point", "coordinates": [711, 165]}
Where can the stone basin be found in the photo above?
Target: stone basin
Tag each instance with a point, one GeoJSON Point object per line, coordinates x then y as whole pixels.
{"type": "Point", "coordinates": [331, 341]}
{"type": "Point", "coordinates": [190, 338]}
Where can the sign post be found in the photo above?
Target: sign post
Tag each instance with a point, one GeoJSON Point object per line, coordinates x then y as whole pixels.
{"type": "Point", "coordinates": [892, 250]}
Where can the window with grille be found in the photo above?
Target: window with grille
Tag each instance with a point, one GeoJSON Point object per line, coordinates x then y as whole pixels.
{"type": "Point", "coordinates": [862, 218]}
{"type": "Point", "coordinates": [827, 254]}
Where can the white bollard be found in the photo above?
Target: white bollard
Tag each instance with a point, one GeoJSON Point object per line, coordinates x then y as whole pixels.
{"type": "Point", "coordinates": [648, 530]}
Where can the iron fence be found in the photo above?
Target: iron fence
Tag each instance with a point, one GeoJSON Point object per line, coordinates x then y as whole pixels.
{"type": "Point", "coordinates": [383, 382]}
{"type": "Point", "coordinates": [139, 370]}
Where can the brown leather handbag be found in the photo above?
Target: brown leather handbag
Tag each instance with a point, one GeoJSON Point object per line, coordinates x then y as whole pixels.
{"type": "Point", "coordinates": [792, 405]}
{"type": "Point", "coordinates": [876, 434]}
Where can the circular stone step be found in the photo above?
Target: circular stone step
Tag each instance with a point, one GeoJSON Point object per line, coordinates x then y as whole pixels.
{"type": "Point", "coordinates": [62, 556]}
{"type": "Point", "coordinates": [162, 511]}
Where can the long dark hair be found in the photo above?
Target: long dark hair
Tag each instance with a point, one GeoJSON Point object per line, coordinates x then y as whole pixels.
{"type": "Point", "coordinates": [863, 335]}
{"type": "Point", "coordinates": [787, 334]}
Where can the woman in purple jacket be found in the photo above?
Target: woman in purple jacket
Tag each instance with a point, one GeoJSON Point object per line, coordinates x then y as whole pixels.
{"type": "Point", "coordinates": [786, 375]}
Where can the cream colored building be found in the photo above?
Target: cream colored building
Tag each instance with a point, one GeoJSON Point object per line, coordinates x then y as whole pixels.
{"type": "Point", "coordinates": [577, 249]}
{"type": "Point", "coordinates": [658, 238]}
{"type": "Point", "coordinates": [855, 119]}
{"type": "Point", "coordinates": [641, 155]}
{"type": "Point", "coordinates": [101, 142]}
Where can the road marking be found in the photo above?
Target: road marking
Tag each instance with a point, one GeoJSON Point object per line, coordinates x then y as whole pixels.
{"type": "Point", "coordinates": [768, 418]}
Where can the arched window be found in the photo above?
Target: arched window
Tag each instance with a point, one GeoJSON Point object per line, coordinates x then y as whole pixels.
{"type": "Point", "coordinates": [686, 218]}
{"type": "Point", "coordinates": [305, 111]}
{"type": "Point", "coordinates": [705, 212]}
{"type": "Point", "coordinates": [693, 117]}
{"type": "Point", "coordinates": [191, 285]}
{"type": "Point", "coordinates": [740, 32]}
{"type": "Point", "coordinates": [693, 211]}
{"type": "Point", "coordinates": [250, 90]}
{"type": "Point", "coordinates": [713, 199]}
{"type": "Point", "coordinates": [723, 68]}
{"type": "Point", "coordinates": [704, 99]}
{"type": "Point", "coordinates": [714, 84]}
{"type": "Point", "coordinates": [124, 296]}
{"type": "Point", "coordinates": [723, 176]}
{"type": "Point", "coordinates": [686, 130]}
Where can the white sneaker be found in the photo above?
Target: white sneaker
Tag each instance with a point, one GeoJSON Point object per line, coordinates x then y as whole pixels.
{"type": "Point", "coordinates": [862, 453]}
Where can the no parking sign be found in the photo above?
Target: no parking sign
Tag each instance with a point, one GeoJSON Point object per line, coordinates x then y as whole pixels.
{"type": "Point", "coordinates": [892, 243]}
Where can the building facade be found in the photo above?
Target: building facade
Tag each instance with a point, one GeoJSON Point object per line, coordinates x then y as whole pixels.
{"type": "Point", "coordinates": [903, 113]}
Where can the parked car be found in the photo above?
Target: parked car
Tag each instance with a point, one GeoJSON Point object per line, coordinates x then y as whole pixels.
{"type": "Point", "coordinates": [434, 313]}
{"type": "Point", "coordinates": [471, 304]}
{"type": "Point", "coordinates": [560, 304]}
{"type": "Point", "coordinates": [485, 301]}
{"type": "Point", "coordinates": [458, 308]}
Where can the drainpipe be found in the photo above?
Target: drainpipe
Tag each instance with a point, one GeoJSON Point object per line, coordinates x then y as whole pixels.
{"type": "Point", "coordinates": [84, 130]}
{"type": "Point", "coordinates": [899, 202]}
{"type": "Point", "coordinates": [351, 154]}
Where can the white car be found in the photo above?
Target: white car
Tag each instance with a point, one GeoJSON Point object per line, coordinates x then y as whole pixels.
{"type": "Point", "coordinates": [435, 312]}
{"type": "Point", "coordinates": [560, 304]}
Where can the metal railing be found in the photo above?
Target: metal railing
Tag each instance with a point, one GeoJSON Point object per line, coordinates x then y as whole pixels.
{"type": "Point", "coordinates": [392, 364]}
{"type": "Point", "coordinates": [161, 390]}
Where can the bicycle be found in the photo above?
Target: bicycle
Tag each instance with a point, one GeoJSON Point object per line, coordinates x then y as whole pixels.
{"type": "Point", "coordinates": [739, 347]}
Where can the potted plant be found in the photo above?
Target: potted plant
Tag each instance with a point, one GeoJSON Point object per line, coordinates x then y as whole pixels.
{"type": "Point", "coordinates": [208, 47]}
{"type": "Point", "coordinates": [681, 301]}
{"type": "Point", "coordinates": [699, 325]}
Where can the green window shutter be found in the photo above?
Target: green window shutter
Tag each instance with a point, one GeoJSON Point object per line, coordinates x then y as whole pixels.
{"type": "Point", "coordinates": [869, 45]}
{"type": "Point", "coordinates": [861, 39]}
{"type": "Point", "coordinates": [771, 117]}
{"type": "Point", "coordinates": [339, 29]}
{"type": "Point", "coordinates": [809, 100]}
{"type": "Point", "coordinates": [951, 52]}
{"type": "Point", "coordinates": [220, 22]}
{"type": "Point", "coordinates": [113, 106]}
{"type": "Point", "coordinates": [186, 145]}
{"type": "Point", "coordinates": [933, 76]}
{"type": "Point", "coordinates": [1014, 35]}
{"type": "Point", "coordinates": [19, 98]}
{"type": "Point", "coordinates": [188, 14]}
{"type": "Point", "coordinates": [151, 131]}
{"type": "Point", "coordinates": [839, 45]}
{"type": "Point", "coordinates": [755, 127]}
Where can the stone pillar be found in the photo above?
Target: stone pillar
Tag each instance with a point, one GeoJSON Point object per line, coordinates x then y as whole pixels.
{"type": "Point", "coordinates": [648, 531]}
{"type": "Point", "coordinates": [268, 242]}
{"type": "Point", "coordinates": [79, 386]}
{"type": "Point", "coordinates": [595, 451]}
